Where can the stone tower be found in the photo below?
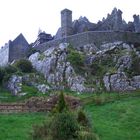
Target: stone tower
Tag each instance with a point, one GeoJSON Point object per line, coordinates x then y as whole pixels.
{"type": "Point", "coordinates": [136, 23]}
{"type": "Point", "coordinates": [66, 23]}
{"type": "Point", "coordinates": [117, 15]}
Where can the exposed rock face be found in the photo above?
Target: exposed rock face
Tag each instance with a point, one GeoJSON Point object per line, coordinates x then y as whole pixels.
{"type": "Point", "coordinates": [90, 49]}
{"type": "Point", "coordinates": [43, 88]}
{"type": "Point", "coordinates": [57, 70]}
{"type": "Point", "coordinates": [135, 82]}
{"type": "Point", "coordinates": [114, 59]}
{"type": "Point", "coordinates": [124, 62]}
{"type": "Point", "coordinates": [15, 84]}
{"type": "Point", "coordinates": [118, 82]}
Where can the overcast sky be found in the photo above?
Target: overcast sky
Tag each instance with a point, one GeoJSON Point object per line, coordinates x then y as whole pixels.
{"type": "Point", "coordinates": [27, 16]}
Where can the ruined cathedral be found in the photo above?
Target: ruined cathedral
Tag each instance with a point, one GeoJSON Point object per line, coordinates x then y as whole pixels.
{"type": "Point", "coordinates": [78, 33]}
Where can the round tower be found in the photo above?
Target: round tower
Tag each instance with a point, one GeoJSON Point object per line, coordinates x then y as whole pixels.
{"type": "Point", "coordinates": [66, 23]}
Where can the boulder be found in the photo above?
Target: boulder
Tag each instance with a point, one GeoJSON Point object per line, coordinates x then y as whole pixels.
{"type": "Point", "coordinates": [43, 88]}
{"type": "Point", "coordinates": [135, 82]}
{"type": "Point", "coordinates": [118, 82]}
{"type": "Point", "coordinates": [15, 84]}
{"type": "Point", "coordinates": [124, 62]}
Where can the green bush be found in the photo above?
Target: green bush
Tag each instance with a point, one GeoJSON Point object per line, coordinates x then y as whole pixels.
{"type": "Point", "coordinates": [86, 135]}
{"type": "Point", "coordinates": [76, 59]}
{"type": "Point", "coordinates": [40, 132]}
{"type": "Point", "coordinates": [64, 127]}
{"type": "Point", "coordinates": [10, 69]}
{"type": "Point", "coordinates": [24, 65]}
{"type": "Point", "coordinates": [2, 73]}
{"type": "Point", "coordinates": [82, 118]}
{"type": "Point", "coordinates": [6, 72]}
{"type": "Point", "coordinates": [61, 106]}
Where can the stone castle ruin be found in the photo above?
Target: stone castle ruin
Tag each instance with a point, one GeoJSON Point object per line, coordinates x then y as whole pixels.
{"type": "Point", "coordinates": [78, 33]}
{"type": "Point", "coordinates": [14, 50]}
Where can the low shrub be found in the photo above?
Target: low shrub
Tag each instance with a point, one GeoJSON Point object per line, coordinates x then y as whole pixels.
{"type": "Point", "coordinates": [64, 126]}
{"type": "Point", "coordinates": [24, 65]}
{"type": "Point", "coordinates": [85, 135]}
{"type": "Point", "coordinates": [82, 118]}
{"type": "Point", "coordinates": [2, 73]}
{"type": "Point", "coordinates": [6, 72]}
{"type": "Point", "coordinates": [76, 59]}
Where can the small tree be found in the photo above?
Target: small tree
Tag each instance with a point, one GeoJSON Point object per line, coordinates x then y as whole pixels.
{"type": "Point", "coordinates": [64, 125]}
{"type": "Point", "coordinates": [61, 106]}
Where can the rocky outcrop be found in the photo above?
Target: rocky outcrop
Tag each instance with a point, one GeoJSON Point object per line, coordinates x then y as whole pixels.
{"type": "Point", "coordinates": [57, 70]}
{"type": "Point", "coordinates": [43, 88]}
{"type": "Point", "coordinates": [124, 62]}
{"type": "Point", "coordinates": [135, 82]}
{"type": "Point", "coordinates": [15, 84]}
{"type": "Point", "coordinates": [118, 82]}
{"type": "Point", "coordinates": [114, 59]}
{"type": "Point", "coordinates": [123, 55]}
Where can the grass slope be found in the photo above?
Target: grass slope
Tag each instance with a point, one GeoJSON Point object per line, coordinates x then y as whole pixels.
{"type": "Point", "coordinates": [18, 126]}
{"type": "Point", "coordinates": [117, 121]}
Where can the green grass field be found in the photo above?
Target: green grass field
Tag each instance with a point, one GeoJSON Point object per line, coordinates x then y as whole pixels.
{"type": "Point", "coordinates": [19, 126]}
{"type": "Point", "coordinates": [117, 120]}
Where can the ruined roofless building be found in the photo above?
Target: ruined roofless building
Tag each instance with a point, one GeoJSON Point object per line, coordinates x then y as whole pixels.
{"type": "Point", "coordinates": [66, 23]}
{"type": "Point", "coordinates": [14, 50]}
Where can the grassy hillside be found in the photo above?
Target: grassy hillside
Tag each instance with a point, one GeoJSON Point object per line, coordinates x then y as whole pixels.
{"type": "Point", "coordinates": [18, 126]}
{"type": "Point", "coordinates": [118, 120]}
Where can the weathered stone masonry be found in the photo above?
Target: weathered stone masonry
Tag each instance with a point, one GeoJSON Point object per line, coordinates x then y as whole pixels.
{"type": "Point", "coordinates": [96, 37]}
{"type": "Point", "coordinates": [109, 30]}
{"type": "Point", "coordinates": [4, 55]}
{"type": "Point", "coordinates": [14, 50]}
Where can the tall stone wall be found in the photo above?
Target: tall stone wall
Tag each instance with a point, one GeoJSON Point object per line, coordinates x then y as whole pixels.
{"type": "Point", "coordinates": [4, 56]}
{"type": "Point", "coordinates": [98, 38]}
